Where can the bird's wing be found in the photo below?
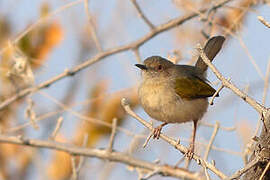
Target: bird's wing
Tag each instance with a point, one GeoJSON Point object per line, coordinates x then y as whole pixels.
{"type": "Point", "coordinates": [193, 87]}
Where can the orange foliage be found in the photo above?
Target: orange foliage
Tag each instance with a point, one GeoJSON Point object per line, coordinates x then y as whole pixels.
{"type": "Point", "coordinates": [233, 18]}
{"type": "Point", "coordinates": [60, 165]}
{"type": "Point", "coordinates": [104, 108]}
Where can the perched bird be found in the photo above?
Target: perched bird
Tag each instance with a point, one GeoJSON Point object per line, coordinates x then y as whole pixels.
{"type": "Point", "coordinates": [177, 93]}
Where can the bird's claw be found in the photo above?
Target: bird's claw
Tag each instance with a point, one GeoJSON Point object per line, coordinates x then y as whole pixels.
{"type": "Point", "coordinates": [156, 132]}
{"type": "Point", "coordinates": [190, 152]}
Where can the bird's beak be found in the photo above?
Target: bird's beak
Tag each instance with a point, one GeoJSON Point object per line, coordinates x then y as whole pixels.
{"type": "Point", "coordinates": [141, 66]}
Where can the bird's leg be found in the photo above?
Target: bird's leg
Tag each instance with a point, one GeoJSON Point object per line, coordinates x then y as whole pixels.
{"type": "Point", "coordinates": [157, 131]}
{"type": "Point", "coordinates": [192, 143]}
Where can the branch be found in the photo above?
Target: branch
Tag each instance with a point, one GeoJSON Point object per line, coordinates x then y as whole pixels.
{"type": "Point", "coordinates": [144, 18]}
{"type": "Point", "coordinates": [57, 127]}
{"type": "Point", "coordinates": [73, 150]}
{"type": "Point", "coordinates": [262, 20]}
{"type": "Point", "coordinates": [265, 170]}
{"type": "Point", "coordinates": [264, 112]}
{"type": "Point", "coordinates": [173, 142]}
{"type": "Point", "coordinates": [114, 126]}
{"type": "Point", "coordinates": [243, 170]}
{"type": "Point", "coordinates": [217, 125]}
{"type": "Point", "coordinates": [133, 45]}
{"type": "Point", "coordinates": [225, 82]}
{"type": "Point", "coordinates": [92, 26]}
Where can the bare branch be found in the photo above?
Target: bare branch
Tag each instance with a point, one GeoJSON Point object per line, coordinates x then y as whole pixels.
{"type": "Point", "coordinates": [114, 126]}
{"type": "Point", "coordinates": [144, 18]}
{"type": "Point", "coordinates": [147, 139]}
{"type": "Point", "coordinates": [92, 26]}
{"type": "Point", "coordinates": [257, 106]}
{"type": "Point", "coordinates": [243, 170]}
{"type": "Point", "coordinates": [157, 30]}
{"type": "Point", "coordinates": [211, 102]}
{"type": "Point", "coordinates": [221, 127]}
{"type": "Point", "coordinates": [137, 55]}
{"type": "Point", "coordinates": [151, 174]}
{"type": "Point", "coordinates": [74, 169]}
{"type": "Point", "coordinates": [206, 173]}
{"type": "Point", "coordinates": [30, 113]}
{"type": "Point", "coordinates": [262, 20]}
{"type": "Point", "coordinates": [211, 140]}
{"type": "Point", "coordinates": [57, 127]}
{"type": "Point", "coordinates": [164, 170]}
{"type": "Point", "coordinates": [81, 160]}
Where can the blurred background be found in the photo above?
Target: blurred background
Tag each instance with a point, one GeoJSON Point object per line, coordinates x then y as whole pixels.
{"type": "Point", "coordinates": [41, 39]}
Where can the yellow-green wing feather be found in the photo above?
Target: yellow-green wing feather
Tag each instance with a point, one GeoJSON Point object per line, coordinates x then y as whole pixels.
{"type": "Point", "coordinates": [192, 87]}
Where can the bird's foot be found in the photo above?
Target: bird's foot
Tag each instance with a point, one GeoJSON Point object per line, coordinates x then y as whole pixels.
{"type": "Point", "coordinates": [157, 131]}
{"type": "Point", "coordinates": [189, 154]}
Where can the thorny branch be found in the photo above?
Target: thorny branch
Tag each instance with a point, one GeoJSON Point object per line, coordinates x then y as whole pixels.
{"type": "Point", "coordinates": [257, 106]}
{"type": "Point", "coordinates": [133, 45]}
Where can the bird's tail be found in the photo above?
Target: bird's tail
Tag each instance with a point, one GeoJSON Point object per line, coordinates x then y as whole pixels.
{"type": "Point", "coordinates": [211, 48]}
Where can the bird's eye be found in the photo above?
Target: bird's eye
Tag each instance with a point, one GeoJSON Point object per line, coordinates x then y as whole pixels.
{"type": "Point", "coordinates": [159, 67]}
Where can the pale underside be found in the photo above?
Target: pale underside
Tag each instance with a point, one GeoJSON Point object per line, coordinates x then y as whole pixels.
{"type": "Point", "coordinates": [163, 104]}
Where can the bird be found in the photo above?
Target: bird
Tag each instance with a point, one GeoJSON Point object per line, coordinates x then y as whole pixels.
{"type": "Point", "coordinates": [173, 93]}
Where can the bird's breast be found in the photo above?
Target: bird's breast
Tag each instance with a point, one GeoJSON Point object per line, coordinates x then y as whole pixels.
{"type": "Point", "coordinates": [162, 103]}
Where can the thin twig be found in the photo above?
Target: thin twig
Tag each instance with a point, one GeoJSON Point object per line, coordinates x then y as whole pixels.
{"type": "Point", "coordinates": [30, 113]}
{"type": "Point", "coordinates": [114, 126]}
{"type": "Point", "coordinates": [173, 142]}
{"type": "Point", "coordinates": [147, 139]}
{"type": "Point", "coordinates": [206, 173]}
{"type": "Point", "coordinates": [211, 102]}
{"type": "Point", "coordinates": [180, 161]}
{"type": "Point", "coordinates": [262, 20]}
{"type": "Point", "coordinates": [81, 160]}
{"type": "Point", "coordinates": [57, 127]}
{"type": "Point", "coordinates": [211, 140]}
{"type": "Point", "coordinates": [151, 174]}
{"type": "Point", "coordinates": [250, 57]}
{"type": "Point", "coordinates": [137, 55]}
{"type": "Point", "coordinates": [158, 29]}
{"type": "Point", "coordinates": [202, 123]}
{"type": "Point", "coordinates": [74, 170]}
{"type": "Point", "coordinates": [141, 14]}
{"type": "Point", "coordinates": [92, 26]}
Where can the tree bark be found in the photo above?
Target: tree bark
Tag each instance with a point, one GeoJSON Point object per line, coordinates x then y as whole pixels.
{"type": "Point", "coordinates": [261, 151]}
